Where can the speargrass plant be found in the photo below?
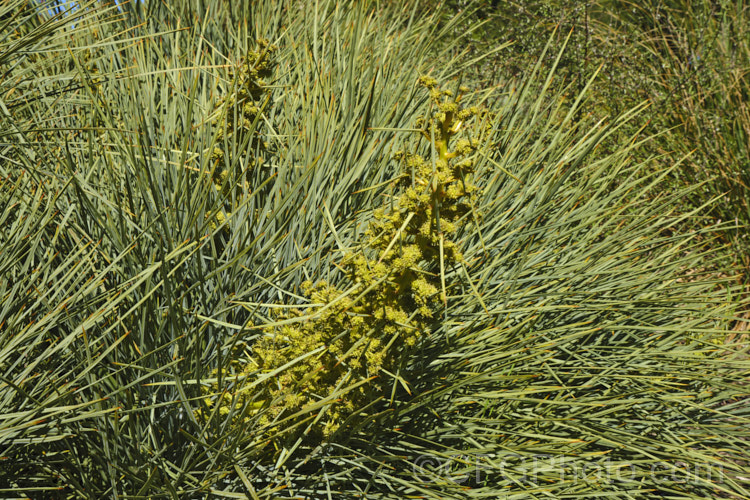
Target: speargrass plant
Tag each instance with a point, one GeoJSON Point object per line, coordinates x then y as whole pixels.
{"type": "Point", "coordinates": [412, 290]}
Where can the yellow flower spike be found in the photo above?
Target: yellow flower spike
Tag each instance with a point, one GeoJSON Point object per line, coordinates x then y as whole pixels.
{"type": "Point", "coordinates": [394, 271]}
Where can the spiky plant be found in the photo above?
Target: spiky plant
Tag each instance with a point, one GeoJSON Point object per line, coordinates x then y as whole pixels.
{"type": "Point", "coordinates": [533, 324]}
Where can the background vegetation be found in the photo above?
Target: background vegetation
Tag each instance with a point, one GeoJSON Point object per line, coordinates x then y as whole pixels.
{"type": "Point", "coordinates": [688, 60]}
{"type": "Point", "coordinates": [277, 250]}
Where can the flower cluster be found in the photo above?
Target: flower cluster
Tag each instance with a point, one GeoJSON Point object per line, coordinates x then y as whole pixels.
{"type": "Point", "coordinates": [241, 110]}
{"type": "Point", "coordinates": [360, 337]}
{"type": "Point", "coordinates": [239, 120]}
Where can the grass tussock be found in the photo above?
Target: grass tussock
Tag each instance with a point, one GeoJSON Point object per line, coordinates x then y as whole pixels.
{"type": "Point", "coordinates": [332, 250]}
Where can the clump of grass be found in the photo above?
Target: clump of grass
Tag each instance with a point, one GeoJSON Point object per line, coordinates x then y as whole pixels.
{"type": "Point", "coordinates": [556, 341]}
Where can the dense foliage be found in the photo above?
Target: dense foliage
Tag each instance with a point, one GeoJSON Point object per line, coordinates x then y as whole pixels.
{"type": "Point", "coordinates": [343, 250]}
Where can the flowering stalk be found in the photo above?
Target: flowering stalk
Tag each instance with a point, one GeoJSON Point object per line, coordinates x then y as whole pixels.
{"type": "Point", "coordinates": [239, 115]}
{"type": "Point", "coordinates": [362, 334]}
